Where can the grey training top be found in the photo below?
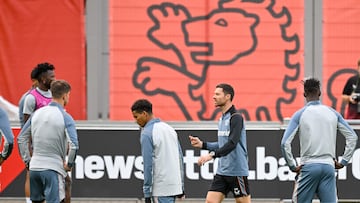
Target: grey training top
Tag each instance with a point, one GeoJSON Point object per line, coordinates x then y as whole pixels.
{"type": "Point", "coordinates": [52, 130]}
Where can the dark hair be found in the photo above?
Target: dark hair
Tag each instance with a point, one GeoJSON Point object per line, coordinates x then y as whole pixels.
{"type": "Point", "coordinates": [34, 73]}
{"type": "Point", "coordinates": [358, 62]}
{"type": "Point", "coordinates": [43, 68]}
{"type": "Point", "coordinates": [59, 88]}
{"type": "Point", "coordinates": [228, 89]}
{"type": "Point", "coordinates": [311, 87]}
{"type": "Point", "coordinates": [142, 105]}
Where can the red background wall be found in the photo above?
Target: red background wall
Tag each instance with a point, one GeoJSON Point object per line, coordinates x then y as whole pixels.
{"type": "Point", "coordinates": [148, 43]}
{"type": "Point", "coordinates": [37, 31]}
{"type": "Point", "coordinates": [266, 76]}
{"type": "Point", "coordinates": [341, 51]}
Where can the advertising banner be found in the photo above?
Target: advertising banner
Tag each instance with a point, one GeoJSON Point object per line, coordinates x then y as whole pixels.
{"type": "Point", "coordinates": [109, 165]}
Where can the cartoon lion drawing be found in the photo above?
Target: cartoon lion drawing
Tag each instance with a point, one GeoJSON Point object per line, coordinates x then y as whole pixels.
{"type": "Point", "coordinates": [224, 41]}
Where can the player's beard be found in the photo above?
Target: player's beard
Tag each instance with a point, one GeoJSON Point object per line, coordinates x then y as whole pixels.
{"type": "Point", "coordinates": [219, 104]}
{"type": "Point", "coordinates": [48, 84]}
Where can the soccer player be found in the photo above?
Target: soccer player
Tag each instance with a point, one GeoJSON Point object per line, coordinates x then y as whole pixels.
{"type": "Point", "coordinates": [38, 96]}
{"type": "Point", "coordinates": [231, 149]}
{"type": "Point", "coordinates": [317, 126]}
{"type": "Point", "coordinates": [162, 156]}
{"type": "Point", "coordinates": [41, 95]}
{"type": "Point", "coordinates": [53, 134]}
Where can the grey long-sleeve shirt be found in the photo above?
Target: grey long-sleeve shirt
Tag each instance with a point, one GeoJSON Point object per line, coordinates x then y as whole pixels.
{"type": "Point", "coordinates": [317, 126]}
{"type": "Point", "coordinates": [163, 160]}
{"type": "Point", "coordinates": [52, 130]}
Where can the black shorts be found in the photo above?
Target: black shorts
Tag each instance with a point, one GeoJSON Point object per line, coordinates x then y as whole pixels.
{"type": "Point", "coordinates": [238, 185]}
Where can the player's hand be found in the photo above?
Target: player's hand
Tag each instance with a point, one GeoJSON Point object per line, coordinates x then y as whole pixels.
{"type": "Point", "coordinates": [351, 100]}
{"type": "Point", "coordinates": [181, 196]}
{"type": "Point", "coordinates": [195, 141]}
{"type": "Point", "coordinates": [297, 169]}
{"type": "Point", "coordinates": [204, 158]}
{"type": "Point", "coordinates": [338, 165]}
{"type": "Point", "coordinates": [66, 167]}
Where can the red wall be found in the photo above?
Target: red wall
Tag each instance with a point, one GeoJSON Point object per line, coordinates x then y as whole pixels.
{"type": "Point", "coordinates": [175, 53]}
{"type": "Point", "coordinates": [341, 50]}
{"type": "Point", "coordinates": [37, 31]}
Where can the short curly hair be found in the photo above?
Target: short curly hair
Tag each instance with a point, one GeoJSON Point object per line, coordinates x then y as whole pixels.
{"type": "Point", "coordinates": [311, 86]}
{"type": "Point", "coordinates": [142, 105]}
{"type": "Point", "coordinates": [43, 68]}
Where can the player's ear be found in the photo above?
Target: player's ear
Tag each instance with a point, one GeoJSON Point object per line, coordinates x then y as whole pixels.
{"type": "Point", "coordinates": [228, 96]}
